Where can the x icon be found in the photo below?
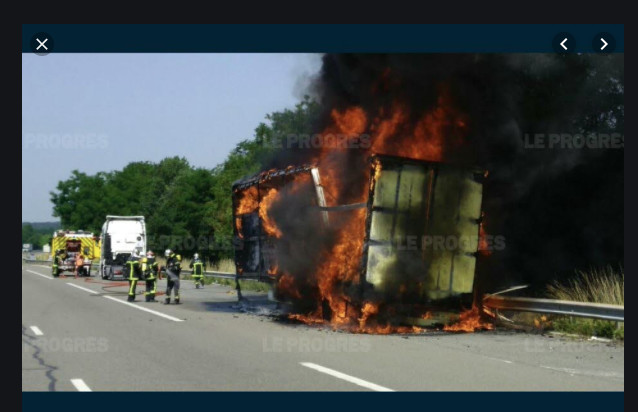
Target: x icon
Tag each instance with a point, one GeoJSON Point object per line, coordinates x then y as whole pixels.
{"type": "Point", "coordinates": [42, 44]}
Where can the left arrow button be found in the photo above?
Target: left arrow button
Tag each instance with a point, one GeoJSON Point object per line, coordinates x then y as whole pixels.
{"type": "Point", "coordinates": [564, 43]}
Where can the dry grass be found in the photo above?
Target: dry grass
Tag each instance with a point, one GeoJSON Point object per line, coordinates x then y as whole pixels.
{"type": "Point", "coordinates": [224, 265]}
{"type": "Point", "coordinates": [42, 256]}
{"type": "Point", "coordinates": [596, 286]}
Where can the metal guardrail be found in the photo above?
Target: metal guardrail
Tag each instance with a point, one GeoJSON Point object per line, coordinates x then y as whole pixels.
{"type": "Point", "coordinates": [557, 307]}
{"type": "Point", "coordinates": [36, 261]}
{"type": "Point", "coordinates": [220, 275]}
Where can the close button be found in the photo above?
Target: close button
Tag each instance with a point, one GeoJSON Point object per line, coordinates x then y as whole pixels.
{"type": "Point", "coordinates": [42, 43]}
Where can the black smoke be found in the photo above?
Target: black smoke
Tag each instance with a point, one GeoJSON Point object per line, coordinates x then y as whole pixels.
{"type": "Point", "coordinates": [559, 209]}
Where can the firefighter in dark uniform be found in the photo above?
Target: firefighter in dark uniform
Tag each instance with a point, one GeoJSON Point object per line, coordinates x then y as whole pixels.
{"type": "Point", "coordinates": [133, 272]}
{"type": "Point", "coordinates": [57, 259]}
{"type": "Point", "coordinates": [198, 267]}
{"type": "Point", "coordinates": [173, 269]}
{"type": "Point", "coordinates": [149, 269]}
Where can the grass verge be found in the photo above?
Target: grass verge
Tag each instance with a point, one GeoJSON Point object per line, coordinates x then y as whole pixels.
{"type": "Point", "coordinates": [252, 286]}
{"type": "Point", "coordinates": [596, 286]}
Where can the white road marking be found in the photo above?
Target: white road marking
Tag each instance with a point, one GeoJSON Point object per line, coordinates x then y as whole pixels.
{"type": "Point", "coordinates": [573, 372]}
{"type": "Point", "coordinates": [81, 288]}
{"type": "Point", "coordinates": [37, 331]}
{"type": "Point", "coordinates": [500, 360]}
{"type": "Point", "coordinates": [80, 385]}
{"type": "Point", "coordinates": [348, 378]}
{"type": "Point", "coordinates": [154, 312]}
{"type": "Point", "coordinates": [39, 274]}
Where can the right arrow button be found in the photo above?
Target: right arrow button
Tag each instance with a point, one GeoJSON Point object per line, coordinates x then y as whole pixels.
{"type": "Point", "coordinates": [603, 43]}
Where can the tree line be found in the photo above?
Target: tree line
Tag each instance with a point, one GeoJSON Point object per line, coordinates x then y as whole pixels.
{"type": "Point", "coordinates": [187, 208]}
{"type": "Point", "coordinates": [38, 234]}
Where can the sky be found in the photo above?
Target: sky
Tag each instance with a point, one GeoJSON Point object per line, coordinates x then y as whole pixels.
{"type": "Point", "coordinates": [99, 112]}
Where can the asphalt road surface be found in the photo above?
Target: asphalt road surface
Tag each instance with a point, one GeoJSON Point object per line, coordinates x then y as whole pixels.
{"type": "Point", "coordinates": [81, 335]}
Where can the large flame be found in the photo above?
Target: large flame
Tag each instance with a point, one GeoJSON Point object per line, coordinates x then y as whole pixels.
{"type": "Point", "coordinates": [393, 131]}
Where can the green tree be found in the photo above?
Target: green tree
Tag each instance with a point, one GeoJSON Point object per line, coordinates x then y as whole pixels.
{"type": "Point", "coordinates": [186, 208]}
{"type": "Point", "coordinates": [36, 237]}
{"type": "Point", "coordinates": [81, 201]}
{"type": "Point", "coordinates": [178, 221]}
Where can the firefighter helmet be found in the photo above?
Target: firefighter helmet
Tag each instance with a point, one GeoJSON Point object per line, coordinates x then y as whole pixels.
{"type": "Point", "coordinates": [167, 252]}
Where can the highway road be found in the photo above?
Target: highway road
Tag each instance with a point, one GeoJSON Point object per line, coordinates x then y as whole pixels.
{"type": "Point", "coordinates": [81, 335]}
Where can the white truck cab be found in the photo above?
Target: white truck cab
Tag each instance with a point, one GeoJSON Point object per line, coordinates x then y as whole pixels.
{"type": "Point", "coordinates": [121, 235]}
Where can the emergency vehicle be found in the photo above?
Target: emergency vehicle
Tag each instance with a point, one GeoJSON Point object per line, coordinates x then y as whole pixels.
{"type": "Point", "coordinates": [69, 244]}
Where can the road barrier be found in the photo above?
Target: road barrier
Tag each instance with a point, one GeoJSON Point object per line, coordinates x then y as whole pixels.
{"type": "Point", "coordinates": [551, 306]}
{"type": "Point", "coordinates": [556, 307]}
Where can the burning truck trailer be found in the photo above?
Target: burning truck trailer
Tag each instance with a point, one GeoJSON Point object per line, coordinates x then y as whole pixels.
{"type": "Point", "coordinates": [255, 234]}
{"type": "Point", "coordinates": [419, 244]}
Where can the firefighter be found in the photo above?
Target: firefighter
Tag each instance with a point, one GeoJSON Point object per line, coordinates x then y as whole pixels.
{"type": "Point", "coordinates": [173, 269]}
{"type": "Point", "coordinates": [198, 267]}
{"type": "Point", "coordinates": [57, 259]}
{"type": "Point", "coordinates": [149, 268]}
{"type": "Point", "coordinates": [132, 270]}
{"type": "Point", "coordinates": [79, 265]}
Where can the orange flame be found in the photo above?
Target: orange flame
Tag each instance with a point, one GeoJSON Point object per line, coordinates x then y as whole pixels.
{"type": "Point", "coordinates": [248, 201]}
{"type": "Point", "coordinates": [469, 321]}
{"type": "Point", "coordinates": [483, 246]}
{"type": "Point", "coordinates": [286, 285]}
{"type": "Point", "coordinates": [269, 225]}
{"type": "Point", "coordinates": [368, 310]}
{"type": "Point", "coordinates": [351, 123]}
{"type": "Point", "coordinates": [425, 140]}
{"type": "Point", "coordinates": [238, 226]}
{"type": "Point", "coordinates": [377, 172]}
